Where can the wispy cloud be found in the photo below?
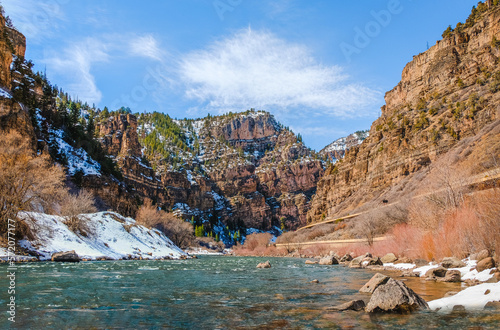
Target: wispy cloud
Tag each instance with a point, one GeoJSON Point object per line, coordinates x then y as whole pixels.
{"type": "Point", "coordinates": [146, 46]}
{"type": "Point", "coordinates": [75, 63]}
{"type": "Point", "coordinates": [36, 19]}
{"type": "Point", "coordinates": [257, 69]}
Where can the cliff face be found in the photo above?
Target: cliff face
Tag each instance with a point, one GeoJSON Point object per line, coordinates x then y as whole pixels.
{"type": "Point", "coordinates": [12, 114]}
{"type": "Point", "coordinates": [119, 136]}
{"type": "Point", "coordinates": [446, 94]}
{"type": "Point", "coordinates": [12, 43]}
{"type": "Point", "coordinates": [241, 170]}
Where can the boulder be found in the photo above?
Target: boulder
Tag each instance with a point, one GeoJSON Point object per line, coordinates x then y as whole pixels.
{"type": "Point", "coordinates": [66, 256]}
{"type": "Point", "coordinates": [389, 258]}
{"type": "Point", "coordinates": [356, 262]}
{"type": "Point", "coordinates": [354, 305]}
{"type": "Point", "coordinates": [346, 258]}
{"type": "Point", "coordinates": [404, 260]}
{"type": "Point", "coordinates": [483, 254]}
{"type": "Point", "coordinates": [311, 262]}
{"type": "Point", "coordinates": [329, 260]}
{"type": "Point", "coordinates": [395, 297]}
{"type": "Point", "coordinates": [374, 282]}
{"type": "Point", "coordinates": [266, 264]}
{"type": "Point", "coordinates": [486, 263]}
{"type": "Point", "coordinates": [436, 272]}
{"type": "Point", "coordinates": [451, 275]}
{"type": "Point", "coordinates": [369, 261]}
{"type": "Point", "coordinates": [315, 281]}
{"type": "Point", "coordinates": [492, 305]}
{"type": "Point", "coordinates": [452, 262]}
{"type": "Point", "coordinates": [420, 262]}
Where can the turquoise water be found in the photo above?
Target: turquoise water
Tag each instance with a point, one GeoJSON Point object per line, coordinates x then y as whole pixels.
{"type": "Point", "coordinates": [205, 293]}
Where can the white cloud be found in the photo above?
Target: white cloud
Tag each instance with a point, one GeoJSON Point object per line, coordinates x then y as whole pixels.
{"type": "Point", "coordinates": [146, 46]}
{"type": "Point", "coordinates": [257, 69]}
{"type": "Point", "coordinates": [75, 63]}
{"type": "Point", "coordinates": [34, 18]}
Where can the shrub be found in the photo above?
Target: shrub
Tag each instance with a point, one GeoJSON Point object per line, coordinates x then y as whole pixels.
{"type": "Point", "coordinates": [448, 32]}
{"type": "Point", "coordinates": [72, 205]}
{"type": "Point", "coordinates": [178, 230]}
{"type": "Point", "coordinates": [421, 104]}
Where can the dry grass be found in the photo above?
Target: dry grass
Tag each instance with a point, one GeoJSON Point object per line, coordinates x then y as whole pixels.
{"type": "Point", "coordinates": [178, 230]}
{"type": "Point", "coordinates": [258, 244]}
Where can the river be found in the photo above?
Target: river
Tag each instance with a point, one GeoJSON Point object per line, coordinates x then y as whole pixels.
{"type": "Point", "coordinates": [207, 293]}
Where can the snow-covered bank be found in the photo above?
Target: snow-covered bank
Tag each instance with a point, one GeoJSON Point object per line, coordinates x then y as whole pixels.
{"type": "Point", "coordinates": [473, 298]}
{"type": "Point", "coordinates": [109, 235]}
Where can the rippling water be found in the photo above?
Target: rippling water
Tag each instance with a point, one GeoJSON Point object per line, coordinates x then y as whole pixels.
{"type": "Point", "coordinates": [205, 293]}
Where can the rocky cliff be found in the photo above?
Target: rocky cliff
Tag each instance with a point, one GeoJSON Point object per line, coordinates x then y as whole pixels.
{"type": "Point", "coordinates": [241, 170]}
{"type": "Point", "coordinates": [446, 94]}
{"type": "Point", "coordinates": [12, 114]}
{"type": "Point", "coordinates": [12, 43]}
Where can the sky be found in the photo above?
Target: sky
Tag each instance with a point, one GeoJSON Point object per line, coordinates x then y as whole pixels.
{"type": "Point", "coordinates": [321, 67]}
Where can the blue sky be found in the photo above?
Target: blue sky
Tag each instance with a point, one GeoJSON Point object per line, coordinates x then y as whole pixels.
{"type": "Point", "coordinates": [321, 67]}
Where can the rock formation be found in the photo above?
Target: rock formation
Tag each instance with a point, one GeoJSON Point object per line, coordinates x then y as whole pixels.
{"type": "Point", "coordinates": [242, 170]}
{"type": "Point", "coordinates": [394, 297]}
{"type": "Point", "coordinates": [446, 94]}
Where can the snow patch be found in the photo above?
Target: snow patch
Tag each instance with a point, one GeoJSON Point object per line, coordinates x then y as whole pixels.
{"type": "Point", "coordinates": [110, 235]}
{"type": "Point", "coordinates": [472, 298]}
{"type": "Point", "coordinates": [78, 159]}
{"type": "Point", "coordinates": [5, 94]}
{"type": "Point", "coordinates": [403, 266]}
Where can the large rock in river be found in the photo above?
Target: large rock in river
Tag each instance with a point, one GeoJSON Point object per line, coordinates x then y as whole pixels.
{"type": "Point", "coordinates": [66, 256]}
{"type": "Point", "coordinates": [329, 260]}
{"type": "Point", "coordinates": [266, 264]}
{"type": "Point", "coordinates": [395, 297]}
{"type": "Point", "coordinates": [374, 283]}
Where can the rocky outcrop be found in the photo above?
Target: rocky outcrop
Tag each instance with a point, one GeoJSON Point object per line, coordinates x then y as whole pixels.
{"type": "Point", "coordinates": [250, 172]}
{"type": "Point", "coordinates": [394, 297]}
{"type": "Point", "coordinates": [12, 43]}
{"type": "Point", "coordinates": [446, 94]}
{"type": "Point", "coordinates": [119, 136]}
{"type": "Point", "coordinates": [67, 256]}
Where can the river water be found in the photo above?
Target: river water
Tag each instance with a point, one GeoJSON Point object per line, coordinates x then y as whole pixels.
{"type": "Point", "coordinates": [207, 293]}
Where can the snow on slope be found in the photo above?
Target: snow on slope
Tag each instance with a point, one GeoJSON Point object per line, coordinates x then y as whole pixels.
{"type": "Point", "coordinates": [78, 159]}
{"type": "Point", "coordinates": [110, 235]}
{"type": "Point", "coordinates": [337, 148]}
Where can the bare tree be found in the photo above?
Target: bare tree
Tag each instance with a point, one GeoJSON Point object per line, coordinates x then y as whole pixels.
{"type": "Point", "coordinates": [27, 181]}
